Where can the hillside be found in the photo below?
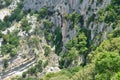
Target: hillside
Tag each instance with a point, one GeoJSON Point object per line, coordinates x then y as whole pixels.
{"type": "Point", "coordinates": [59, 40]}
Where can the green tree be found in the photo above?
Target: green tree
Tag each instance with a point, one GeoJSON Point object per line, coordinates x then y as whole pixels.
{"type": "Point", "coordinates": [82, 43]}
{"type": "Point", "coordinates": [117, 76]}
{"type": "Point", "coordinates": [25, 25]}
{"type": "Point", "coordinates": [74, 18]}
{"type": "Point", "coordinates": [111, 16]}
{"type": "Point", "coordinates": [42, 13]}
{"type": "Point", "coordinates": [107, 63]}
{"type": "Point", "coordinates": [68, 58]}
{"type": "Point", "coordinates": [58, 40]}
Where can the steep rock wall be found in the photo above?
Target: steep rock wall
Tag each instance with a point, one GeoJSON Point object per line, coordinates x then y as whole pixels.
{"type": "Point", "coordinates": [84, 7]}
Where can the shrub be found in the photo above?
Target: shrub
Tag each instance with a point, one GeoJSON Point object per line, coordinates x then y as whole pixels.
{"type": "Point", "coordinates": [24, 74]}
{"type": "Point", "coordinates": [42, 13]}
{"type": "Point", "coordinates": [25, 25]}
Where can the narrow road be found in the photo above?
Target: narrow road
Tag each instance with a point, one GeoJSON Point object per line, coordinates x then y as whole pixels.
{"type": "Point", "coordinates": [18, 70]}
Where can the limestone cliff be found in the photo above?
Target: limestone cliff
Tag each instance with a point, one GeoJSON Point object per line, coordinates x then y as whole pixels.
{"type": "Point", "coordinates": [86, 8]}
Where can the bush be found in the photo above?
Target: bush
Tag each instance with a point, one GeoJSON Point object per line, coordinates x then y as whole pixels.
{"type": "Point", "coordinates": [6, 63]}
{"type": "Point", "coordinates": [24, 74]}
{"type": "Point", "coordinates": [25, 25]}
{"type": "Point", "coordinates": [47, 24]}
{"type": "Point", "coordinates": [32, 71]}
{"type": "Point", "coordinates": [42, 13]}
{"type": "Point", "coordinates": [13, 53]}
{"type": "Point", "coordinates": [47, 50]}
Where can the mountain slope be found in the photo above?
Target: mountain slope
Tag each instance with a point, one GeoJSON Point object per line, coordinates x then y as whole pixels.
{"type": "Point", "coordinates": [69, 37]}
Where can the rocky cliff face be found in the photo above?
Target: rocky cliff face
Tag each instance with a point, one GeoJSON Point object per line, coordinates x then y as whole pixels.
{"type": "Point", "coordinates": [86, 8]}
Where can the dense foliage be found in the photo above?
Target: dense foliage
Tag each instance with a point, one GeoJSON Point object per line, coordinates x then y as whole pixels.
{"type": "Point", "coordinates": [10, 43]}
{"type": "Point", "coordinates": [75, 48]}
